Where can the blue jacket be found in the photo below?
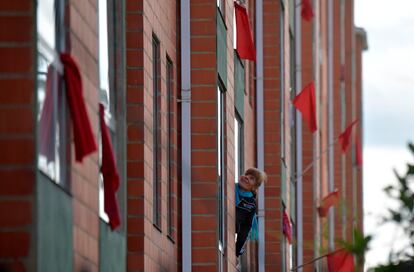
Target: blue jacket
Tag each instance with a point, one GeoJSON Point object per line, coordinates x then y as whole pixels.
{"type": "Point", "coordinates": [246, 221]}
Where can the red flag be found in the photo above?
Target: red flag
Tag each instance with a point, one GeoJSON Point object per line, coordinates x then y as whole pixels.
{"type": "Point", "coordinates": [287, 226]}
{"type": "Point", "coordinates": [305, 103]}
{"type": "Point", "coordinates": [110, 174]}
{"type": "Point", "coordinates": [82, 129]}
{"type": "Point", "coordinates": [307, 10]}
{"type": "Point", "coordinates": [345, 137]}
{"type": "Point", "coordinates": [341, 261]}
{"type": "Point", "coordinates": [358, 152]}
{"type": "Point", "coordinates": [327, 202]}
{"type": "Point", "coordinates": [245, 45]}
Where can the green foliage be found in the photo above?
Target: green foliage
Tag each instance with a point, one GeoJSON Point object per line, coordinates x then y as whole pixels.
{"type": "Point", "coordinates": [402, 216]}
{"type": "Point", "coordinates": [358, 247]}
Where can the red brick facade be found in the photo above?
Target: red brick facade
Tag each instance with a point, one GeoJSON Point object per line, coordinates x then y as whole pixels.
{"type": "Point", "coordinates": [17, 141]}
{"type": "Point", "coordinates": [149, 141]}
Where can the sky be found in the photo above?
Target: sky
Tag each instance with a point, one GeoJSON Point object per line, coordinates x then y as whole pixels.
{"type": "Point", "coordinates": [388, 108]}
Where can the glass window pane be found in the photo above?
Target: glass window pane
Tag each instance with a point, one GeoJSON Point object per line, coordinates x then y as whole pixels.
{"type": "Point", "coordinates": [46, 27]}
{"type": "Point", "coordinates": [51, 101]}
{"type": "Point", "coordinates": [103, 52]}
{"type": "Point", "coordinates": [157, 131]}
{"type": "Point", "coordinates": [170, 151]}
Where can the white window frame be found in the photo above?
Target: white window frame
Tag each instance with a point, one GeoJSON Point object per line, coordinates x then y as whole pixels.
{"type": "Point", "coordinates": [50, 42]}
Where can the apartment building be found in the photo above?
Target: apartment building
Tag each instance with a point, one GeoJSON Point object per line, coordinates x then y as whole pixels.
{"type": "Point", "coordinates": [186, 115]}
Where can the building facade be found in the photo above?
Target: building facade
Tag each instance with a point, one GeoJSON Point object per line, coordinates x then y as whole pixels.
{"type": "Point", "coordinates": [187, 116]}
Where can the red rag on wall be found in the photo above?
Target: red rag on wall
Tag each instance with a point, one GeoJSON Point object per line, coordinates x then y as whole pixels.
{"type": "Point", "coordinates": [110, 174]}
{"type": "Point", "coordinates": [345, 137]}
{"type": "Point", "coordinates": [307, 10]}
{"type": "Point", "coordinates": [287, 227]}
{"type": "Point", "coordinates": [245, 45]}
{"type": "Point", "coordinates": [327, 202]}
{"type": "Point", "coordinates": [358, 152]}
{"type": "Point", "coordinates": [305, 103]}
{"type": "Point", "coordinates": [341, 261]}
{"type": "Point", "coordinates": [85, 142]}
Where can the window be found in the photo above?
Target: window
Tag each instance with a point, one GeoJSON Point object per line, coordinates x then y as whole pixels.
{"type": "Point", "coordinates": [238, 147]}
{"type": "Point", "coordinates": [156, 77]}
{"type": "Point", "coordinates": [220, 5]}
{"type": "Point", "coordinates": [293, 148]}
{"type": "Point", "coordinates": [221, 167]}
{"type": "Point", "coordinates": [171, 159]}
{"type": "Point", "coordinates": [52, 156]}
{"type": "Point", "coordinates": [106, 88]}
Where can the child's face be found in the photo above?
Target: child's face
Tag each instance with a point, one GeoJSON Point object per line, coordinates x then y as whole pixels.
{"type": "Point", "coordinates": [247, 182]}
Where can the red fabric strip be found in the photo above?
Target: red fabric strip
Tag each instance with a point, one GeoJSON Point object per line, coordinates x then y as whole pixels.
{"type": "Point", "coordinates": [110, 174]}
{"type": "Point", "coordinates": [245, 45]}
{"type": "Point", "coordinates": [341, 261]}
{"type": "Point", "coordinates": [345, 137]}
{"type": "Point", "coordinates": [358, 152]}
{"type": "Point", "coordinates": [305, 103]}
{"type": "Point", "coordinates": [82, 130]}
{"type": "Point", "coordinates": [287, 227]}
{"type": "Point", "coordinates": [328, 201]}
{"type": "Point", "coordinates": [307, 10]}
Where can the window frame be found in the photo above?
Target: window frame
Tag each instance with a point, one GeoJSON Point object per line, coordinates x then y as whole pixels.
{"type": "Point", "coordinates": [56, 171]}
{"type": "Point", "coordinates": [221, 168]}
{"type": "Point", "coordinates": [157, 143]}
{"type": "Point", "coordinates": [171, 146]}
{"type": "Point", "coordinates": [109, 97]}
{"type": "Point", "coordinates": [238, 146]}
{"type": "Point", "coordinates": [221, 7]}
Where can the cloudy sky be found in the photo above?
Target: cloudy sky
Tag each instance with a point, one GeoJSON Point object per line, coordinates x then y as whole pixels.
{"type": "Point", "coordinates": [388, 74]}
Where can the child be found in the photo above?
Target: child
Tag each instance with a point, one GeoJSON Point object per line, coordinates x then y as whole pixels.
{"type": "Point", "coordinates": [246, 205]}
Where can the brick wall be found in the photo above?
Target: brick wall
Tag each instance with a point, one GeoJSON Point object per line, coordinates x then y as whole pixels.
{"type": "Point", "coordinates": [83, 45]}
{"type": "Point", "coordinates": [204, 136]}
{"type": "Point", "coordinates": [17, 138]}
{"type": "Point", "coordinates": [309, 227]}
{"type": "Point", "coordinates": [149, 248]}
{"type": "Point", "coordinates": [337, 114]}
{"type": "Point", "coordinates": [350, 116]}
{"type": "Point", "coordinates": [359, 47]}
{"type": "Point", "coordinates": [272, 136]}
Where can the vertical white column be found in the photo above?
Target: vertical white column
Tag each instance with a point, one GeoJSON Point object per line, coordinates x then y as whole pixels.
{"type": "Point", "coordinates": [186, 134]}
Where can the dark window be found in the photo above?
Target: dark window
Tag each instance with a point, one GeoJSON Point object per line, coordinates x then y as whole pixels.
{"type": "Point", "coordinates": [171, 158]}
{"type": "Point", "coordinates": [156, 77]}
{"type": "Point", "coordinates": [221, 166]}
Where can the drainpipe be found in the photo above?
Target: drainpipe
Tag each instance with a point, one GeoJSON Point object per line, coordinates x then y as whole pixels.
{"type": "Point", "coordinates": [186, 135]}
{"type": "Point", "coordinates": [260, 128]}
{"type": "Point", "coordinates": [316, 61]}
{"type": "Point", "coordinates": [331, 176]}
{"type": "Point", "coordinates": [298, 83]}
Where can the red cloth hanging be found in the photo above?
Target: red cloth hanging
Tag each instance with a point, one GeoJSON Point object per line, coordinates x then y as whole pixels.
{"type": "Point", "coordinates": [341, 261]}
{"type": "Point", "coordinates": [110, 174]}
{"type": "Point", "coordinates": [287, 227]}
{"type": "Point", "coordinates": [358, 152]}
{"type": "Point", "coordinates": [46, 123]}
{"type": "Point", "coordinates": [345, 137]}
{"type": "Point", "coordinates": [307, 10]}
{"type": "Point", "coordinates": [305, 103]}
{"type": "Point", "coordinates": [82, 130]}
{"type": "Point", "coordinates": [328, 201]}
{"type": "Point", "coordinates": [245, 45]}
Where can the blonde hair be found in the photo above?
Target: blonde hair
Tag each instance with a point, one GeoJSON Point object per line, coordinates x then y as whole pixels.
{"type": "Point", "coordinates": [259, 175]}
